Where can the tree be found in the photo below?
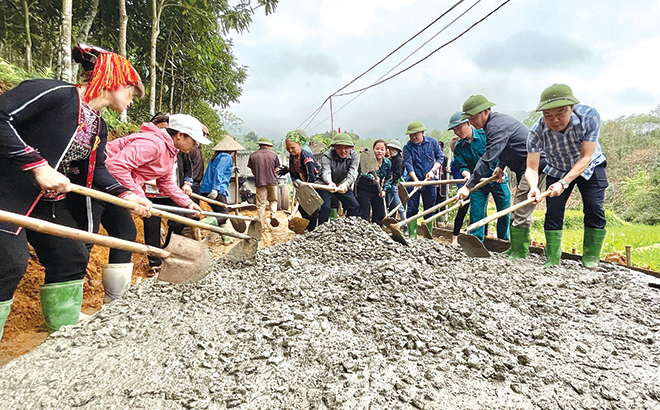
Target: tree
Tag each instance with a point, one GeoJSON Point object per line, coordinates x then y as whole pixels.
{"type": "Point", "coordinates": [65, 41]}
{"type": "Point", "coordinates": [28, 40]}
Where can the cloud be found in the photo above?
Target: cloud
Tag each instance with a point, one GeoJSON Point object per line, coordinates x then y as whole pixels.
{"type": "Point", "coordinates": [280, 64]}
{"type": "Point", "coordinates": [530, 50]}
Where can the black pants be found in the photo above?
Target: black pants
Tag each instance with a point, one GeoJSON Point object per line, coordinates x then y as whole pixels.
{"type": "Point", "coordinates": [347, 200]}
{"type": "Point", "coordinates": [593, 198]}
{"type": "Point", "coordinates": [219, 209]}
{"type": "Point", "coordinates": [64, 259]}
{"type": "Point", "coordinates": [370, 202]}
{"type": "Point", "coordinates": [152, 229]}
{"type": "Point", "coordinates": [460, 218]}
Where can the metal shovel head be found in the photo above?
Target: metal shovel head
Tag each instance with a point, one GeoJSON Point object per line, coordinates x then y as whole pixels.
{"type": "Point", "coordinates": [368, 161]}
{"type": "Point", "coordinates": [189, 261]}
{"type": "Point", "coordinates": [254, 230]}
{"type": "Point", "coordinates": [423, 231]}
{"type": "Point", "coordinates": [388, 222]}
{"type": "Point", "coordinates": [472, 246]}
{"type": "Point", "coordinates": [238, 225]}
{"type": "Point", "coordinates": [244, 250]}
{"type": "Point", "coordinates": [298, 225]}
{"type": "Point", "coordinates": [403, 194]}
{"type": "Point", "coordinates": [395, 231]}
{"type": "Point", "coordinates": [309, 199]}
{"type": "Point", "coordinates": [274, 222]}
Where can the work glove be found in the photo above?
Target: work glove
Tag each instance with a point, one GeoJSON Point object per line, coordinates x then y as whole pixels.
{"type": "Point", "coordinates": [213, 194]}
{"type": "Point", "coordinates": [282, 170]}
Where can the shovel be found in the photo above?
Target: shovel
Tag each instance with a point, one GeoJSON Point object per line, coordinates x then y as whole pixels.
{"type": "Point", "coordinates": [184, 260]}
{"type": "Point", "coordinates": [395, 229]}
{"type": "Point", "coordinates": [237, 221]}
{"type": "Point", "coordinates": [404, 196]}
{"type": "Point", "coordinates": [297, 225]}
{"type": "Point", "coordinates": [423, 231]}
{"type": "Point", "coordinates": [472, 246]}
{"type": "Point", "coordinates": [309, 199]}
{"type": "Point", "coordinates": [235, 207]}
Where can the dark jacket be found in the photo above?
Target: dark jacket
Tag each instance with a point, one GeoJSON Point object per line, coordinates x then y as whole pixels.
{"type": "Point", "coordinates": [310, 168]}
{"type": "Point", "coordinates": [38, 120]}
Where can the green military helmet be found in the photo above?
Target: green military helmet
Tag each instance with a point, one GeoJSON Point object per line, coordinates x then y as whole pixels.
{"type": "Point", "coordinates": [415, 127]}
{"type": "Point", "coordinates": [475, 104]}
{"type": "Point", "coordinates": [395, 144]}
{"type": "Point", "coordinates": [456, 119]}
{"type": "Point", "coordinates": [342, 139]}
{"type": "Point", "coordinates": [265, 141]}
{"type": "Point", "coordinates": [555, 96]}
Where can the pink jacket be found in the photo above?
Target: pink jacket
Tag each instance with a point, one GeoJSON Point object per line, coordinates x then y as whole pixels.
{"type": "Point", "coordinates": [149, 154]}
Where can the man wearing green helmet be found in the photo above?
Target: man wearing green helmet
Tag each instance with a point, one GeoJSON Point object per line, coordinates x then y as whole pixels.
{"type": "Point", "coordinates": [506, 146]}
{"type": "Point", "coordinates": [568, 133]}
{"type": "Point", "coordinates": [467, 151]}
{"type": "Point", "coordinates": [339, 169]}
{"type": "Point", "coordinates": [422, 158]}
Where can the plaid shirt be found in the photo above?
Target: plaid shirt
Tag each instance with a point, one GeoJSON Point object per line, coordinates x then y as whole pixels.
{"type": "Point", "coordinates": [563, 149]}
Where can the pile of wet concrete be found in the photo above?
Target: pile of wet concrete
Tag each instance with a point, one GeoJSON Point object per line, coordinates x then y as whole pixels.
{"type": "Point", "coordinates": [345, 318]}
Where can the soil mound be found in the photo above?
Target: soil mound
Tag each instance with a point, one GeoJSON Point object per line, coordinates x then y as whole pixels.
{"type": "Point", "coordinates": [345, 318]}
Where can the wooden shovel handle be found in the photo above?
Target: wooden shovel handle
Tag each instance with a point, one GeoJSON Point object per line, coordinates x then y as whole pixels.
{"type": "Point", "coordinates": [319, 186]}
{"type": "Point", "coordinates": [79, 235]}
{"type": "Point", "coordinates": [434, 182]}
{"type": "Point", "coordinates": [445, 203]}
{"type": "Point", "coordinates": [209, 200]}
{"type": "Point", "coordinates": [460, 204]}
{"type": "Point", "coordinates": [503, 212]}
{"type": "Point", "coordinates": [102, 196]}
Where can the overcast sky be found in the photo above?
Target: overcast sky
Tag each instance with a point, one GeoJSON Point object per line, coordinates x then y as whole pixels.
{"type": "Point", "coordinates": [607, 51]}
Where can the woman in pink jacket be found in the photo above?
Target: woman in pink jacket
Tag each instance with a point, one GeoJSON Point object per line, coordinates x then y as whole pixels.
{"type": "Point", "coordinates": [136, 159]}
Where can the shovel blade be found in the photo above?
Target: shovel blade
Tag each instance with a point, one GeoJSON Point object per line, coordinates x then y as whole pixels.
{"type": "Point", "coordinates": [389, 221]}
{"type": "Point", "coordinates": [368, 161]}
{"type": "Point", "coordinates": [403, 194]}
{"type": "Point", "coordinates": [244, 250]}
{"type": "Point", "coordinates": [298, 225]}
{"type": "Point", "coordinates": [274, 222]}
{"type": "Point", "coordinates": [472, 246]}
{"type": "Point", "coordinates": [238, 225]}
{"type": "Point", "coordinates": [423, 231]}
{"type": "Point", "coordinates": [189, 261]}
{"type": "Point", "coordinates": [309, 199]}
{"type": "Point", "coordinates": [255, 229]}
{"type": "Point", "coordinates": [394, 231]}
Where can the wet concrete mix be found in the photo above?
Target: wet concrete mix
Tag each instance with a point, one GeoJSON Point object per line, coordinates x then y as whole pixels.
{"type": "Point", "coordinates": [345, 318]}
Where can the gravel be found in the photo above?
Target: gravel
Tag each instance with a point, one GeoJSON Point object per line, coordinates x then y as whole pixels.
{"type": "Point", "coordinates": [345, 318]}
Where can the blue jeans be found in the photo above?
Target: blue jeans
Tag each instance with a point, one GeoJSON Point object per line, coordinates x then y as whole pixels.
{"type": "Point", "coordinates": [479, 204]}
{"type": "Point", "coordinates": [428, 196]}
{"type": "Point", "coordinates": [393, 200]}
{"type": "Point", "coordinates": [593, 197]}
{"type": "Point", "coordinates": [347, 200]}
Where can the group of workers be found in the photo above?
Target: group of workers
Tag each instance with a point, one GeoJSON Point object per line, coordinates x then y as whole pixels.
{"type": "Point", "coordinates": [53, 136]}
{"type": "Point", "coordinates": [561, 150]}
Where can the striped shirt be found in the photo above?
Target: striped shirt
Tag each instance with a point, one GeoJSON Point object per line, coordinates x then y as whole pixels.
{"type": "Point", "coordinates": [563, 149]}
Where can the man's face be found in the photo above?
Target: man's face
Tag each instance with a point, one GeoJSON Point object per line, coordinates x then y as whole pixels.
{"type": "Point", "coordinates": [343, 150]}
{"type": "Point", "coordinates": [463, 131]}
{"type": "Point", "coordinates": [417, 137]}
{"type": "Point", "coordinates": [558, 118]}
{"type": "Point", "coordinates": [479, 120]}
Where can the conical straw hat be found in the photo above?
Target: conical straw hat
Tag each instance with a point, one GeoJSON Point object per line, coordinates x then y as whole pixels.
{"type": "Point", "coordinates": [228, 144]}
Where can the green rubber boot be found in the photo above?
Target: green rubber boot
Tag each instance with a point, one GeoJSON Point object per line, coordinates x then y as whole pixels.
{"type": "Point", "coordinates": [519, 248]}
{"type": "Point", "coordinates": [61, 302]}
{"type": "Point", "coordinates": [5, 308]}
{"type": "Point", "coordinates": [429, 226]}
{"type": "Point", "coordinates": [592, 244]}
{"type": "Point", "coordinates": [552, 248]}
{"type": "Point", "coordinates": [333, 214]}
{"type": "Point", "coordinates": [412, 229]}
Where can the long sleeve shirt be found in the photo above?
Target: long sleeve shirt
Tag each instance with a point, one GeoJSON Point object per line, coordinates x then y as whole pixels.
{"type": "Point", "coordinates": [304, 167]}
{"type": "Point", "coordinates": [146, 155]}
{"type": "Point", "coordinates": [339, 170]}
{"type": "Point", "coordinates": [563, 149]}
{"type": "Point", "coordinates": [467, 154]}
{"type": "Point", "coordinates": [506, 145]}
{"type": "Point", "coordinates": [421, 157]}
{"type": "Point", "coordinates": [217, 175]}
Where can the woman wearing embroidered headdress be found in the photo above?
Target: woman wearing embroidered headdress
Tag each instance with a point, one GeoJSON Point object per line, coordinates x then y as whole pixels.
{"type": "Point", "coordinates": [302, 166]}
{"type": "Point", "coordinates": [52, 134]}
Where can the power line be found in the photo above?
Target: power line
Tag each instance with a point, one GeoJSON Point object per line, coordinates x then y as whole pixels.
{"type": "Point", "coordinates": [429, 55]}
{"type": "Point", "coordinates": [316, 112]}
{"type": "Point", "coordinates": [401, 62]}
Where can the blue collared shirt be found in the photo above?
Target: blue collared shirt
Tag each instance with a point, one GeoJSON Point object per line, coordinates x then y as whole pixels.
{"type": "Point", "coordinates": [421, 157]}
{"type": "Point", "coordinates": [563, 149]}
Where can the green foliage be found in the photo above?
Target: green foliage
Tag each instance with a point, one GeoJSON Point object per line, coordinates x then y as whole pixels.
{"type": "Point", "coordinates": [445, 136]}
{"type": "Point", "coordinates": [112, 118]}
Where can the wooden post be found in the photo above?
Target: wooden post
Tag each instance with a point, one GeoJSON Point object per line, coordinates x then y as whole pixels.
{"type": "Point", "coordinates": [332, 121]}
{"type": "Point", "coordinates": [573, 251]}
{"type": "Point", "coordinates": [628, 255]}
{"type": "Point", "coordinates": [237, 200]}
